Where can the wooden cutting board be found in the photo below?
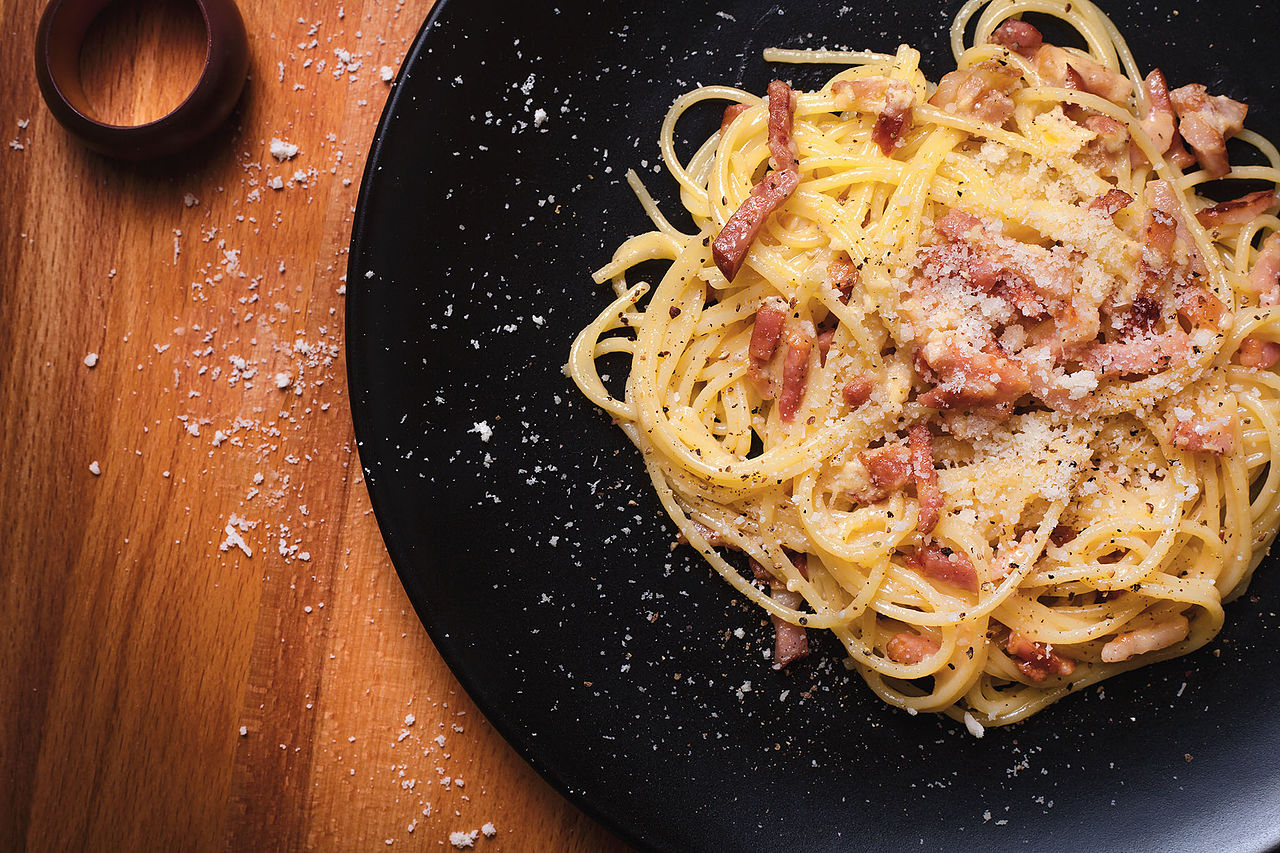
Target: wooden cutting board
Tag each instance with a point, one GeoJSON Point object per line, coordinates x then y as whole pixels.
{"type": "Point", "coordinates": [203, 644]}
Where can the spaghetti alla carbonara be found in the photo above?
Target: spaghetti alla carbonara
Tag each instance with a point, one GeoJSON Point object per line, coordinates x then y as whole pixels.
{"type": "Point", "coordinates": [968, 373]}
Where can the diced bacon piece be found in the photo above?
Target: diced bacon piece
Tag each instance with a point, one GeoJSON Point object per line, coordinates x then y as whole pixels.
{"type": "Point", "coordinates": [1205, 435]}
{"type": "Point", "coordinates": [889, 467]}
{"type": "Point", "coordinates": [957, 224]}
{"type": "Point", "coordinates": [1265, 275]}
{"type": "Point", "coordinates": [713, 537]}
{"type": "Point", "coordinates": [981, 92]}
{"type": "Point", "coordinates": [1019, 293]}
{"type": "Point", "coordinates": [782, 145]}
{"type": "Point", "coordinates": [795, 369]}
{"type": "Point", "coordinates": [857, 390]}
{"type": "Point", "coordinates": [1199, 307]}
{"type": "Point", "coordinates": [1150, 639]}
{"type": "Point", "coordinates": [1037, 660]}
{"type": "Point", "coordinates": [1206, 122]}
{"type": "Point", "coordinates": [1240, 211]}
{"type": "Point", "coordinates": [825, 337]}
{"type": "Point", "coordinates": [1062, 534]}
{"type": "Point", "coordinates": [1059, 67]}
{"type": "Point", "coordinates": [1110, 146]}
{"type": "Point", "coordinates": [889, 131]}
{"type": "Point", "coordinates": [800, 560]}
{"type": "Point", "coordinates": [910, 648]}
{"type": "Point", "coordinates": [893, 102]}
{"type": "Point", "coordinates": [1142, 316]}
{"type": "Point", "coordinates": [968, 378]}
{"type": "Point", "coordinates": [1018, 36]}
{"type": "Point", "coordinates": [1159, 230]}
{"type": "Point", "coordinates": [1071, 79]}
{"type": "Point", "coordinates": [1111, 202]}
{"type": "Point", "coordinates": [1258, 353]}
{"type": "Point", "coordinates": [771, 316]}
{"type": "Point", "coordinates": [1142, 356]}
{"type": "Point", "coordinates": [790, 642]}
{"type": "Point", "coordinates": [843, 275]}
{"type": "Point", "coordinates": [1159, 122]}
{"type": "Point", "coordinates": [1178, 154]}
{"type": "Point", "coordinates": [731, 112]}
{"type": "Point", "coordinates": [1160, 225]}
{"type": "Point", "coordinates": [941, 563]}
{"type": "Point", "coordinates": [734, 240]}
{"type": "Point", "coordinates": [928, 495]}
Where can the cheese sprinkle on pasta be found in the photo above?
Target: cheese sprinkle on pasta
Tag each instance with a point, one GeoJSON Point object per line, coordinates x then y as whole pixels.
{"type": "Point", "coordinates": [967, 373]}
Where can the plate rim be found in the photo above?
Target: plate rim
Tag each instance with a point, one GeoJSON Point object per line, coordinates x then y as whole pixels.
{"type": "Point", "coordinates": [356, 376]}
{"type": "Point", "coordinates": [355, 324]}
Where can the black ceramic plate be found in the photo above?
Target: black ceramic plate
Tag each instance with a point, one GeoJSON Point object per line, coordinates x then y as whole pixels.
{"type": "Point", "coordinates": [524, 529]}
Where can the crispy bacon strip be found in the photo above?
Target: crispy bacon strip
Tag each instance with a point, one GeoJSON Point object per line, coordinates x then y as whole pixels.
{"type": "Point", "coordinates": [893, 102]}
{"type": "Point", "coordinates": [795, 369]}
{"type": "Point", "coordinates": [941, 563]}
{"type": "Point", "coordinates": [857, 391]}
{"type": "Point", "coordinates": [1018, 36]}
{"type": "Point", "coordinates": [1258, 354]}
{"type": "Point", "coordinates": [1205, 435]}
{"type": "Point", "coordinates": [1206, 122]}
{"type": "Point", "coordinates": [1111, 202]}
{"type": "Point", "coordinates": [981, 92]}
{"type": "Point", "coordinates": [731, 112]}
{"type": "Point", "coordinates": [782, 144]}
{"type": "Point", "coordinates": [1158, 636]}
{"type": "Point", "coordinates": [1037, 660]}
{"type": "Point", "coordinates": [908, 647]}
{"type": "Point", "coordinates": [1239, 211]}
{"type": "Point", "coordinates": [734, 240]}
{"type": "Point", "coordinates": [928, 495]}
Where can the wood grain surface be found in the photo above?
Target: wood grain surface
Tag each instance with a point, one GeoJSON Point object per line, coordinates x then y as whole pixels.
{"type": "Point", "coordinates": [203, 644]}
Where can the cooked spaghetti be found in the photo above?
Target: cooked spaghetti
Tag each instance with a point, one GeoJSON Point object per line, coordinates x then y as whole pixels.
{"type": "Point", "coordinates": [969, 374]}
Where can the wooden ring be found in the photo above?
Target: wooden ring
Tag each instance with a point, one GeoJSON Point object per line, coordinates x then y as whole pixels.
{"type": "Point", "coordinates": [58, 41]}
